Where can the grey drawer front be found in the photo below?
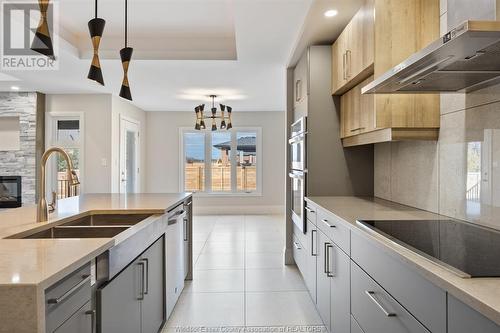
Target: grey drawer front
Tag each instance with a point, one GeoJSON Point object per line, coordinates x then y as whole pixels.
{"type": "Point", "coordinates": [423, 299]}
{"type": "Point", "coordinates": [311, 212]}
{"type": "Point", "coordinates": [355, 326]}
{"type": "Point", "coordinates": [302, 237]}
{"type": "Point", "coordinates": [80, 322]}
{"type": "Point", "coordinates": [299, 253]}
{"type": "Point", "coordinates": [463, 319]}
{"type": "Point", "coordinates": [370, 306]}
{"type": "Point", "coordinates": [56, 314]}
{"type": "Point", "coordinates": [335, 229]}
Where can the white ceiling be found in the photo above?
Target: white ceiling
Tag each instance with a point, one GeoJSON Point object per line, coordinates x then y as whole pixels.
{"type": "Point", "coordinates": [184, 50]}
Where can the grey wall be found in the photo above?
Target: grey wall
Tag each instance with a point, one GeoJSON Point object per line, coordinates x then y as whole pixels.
{"type": "Point", "coordinates": [433, 175]}
{"type": "Point", "coordinates": [23, 162]}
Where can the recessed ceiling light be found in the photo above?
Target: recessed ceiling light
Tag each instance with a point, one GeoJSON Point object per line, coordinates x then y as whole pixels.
{"type": "Point", "coordinates": [14, 88]}
{"type": "Point", "coordinates": [331, 13]}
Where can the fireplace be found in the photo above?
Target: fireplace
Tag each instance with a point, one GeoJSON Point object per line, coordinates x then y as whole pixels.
{"type": "Point", "coordinates": [10, 191]}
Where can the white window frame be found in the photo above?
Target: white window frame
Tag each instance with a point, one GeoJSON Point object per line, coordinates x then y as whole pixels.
{"type": "Point", "coordinates": [51, 140]}
{"type": "Point", "coordinates": [208, 179]}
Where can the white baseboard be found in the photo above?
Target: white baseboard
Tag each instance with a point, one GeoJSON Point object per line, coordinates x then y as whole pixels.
{"type": "Point", "coordinates": [237, 210]}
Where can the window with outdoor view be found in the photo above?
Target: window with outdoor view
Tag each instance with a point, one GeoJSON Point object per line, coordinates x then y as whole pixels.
{"type": "Point", "coordinates": [221, 162]}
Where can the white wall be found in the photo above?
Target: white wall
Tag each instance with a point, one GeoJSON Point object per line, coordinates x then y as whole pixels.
{"type": "Point", "coordinates": [97, 122]}
{"type": "Point", "coordinates": [102, 136]}
{"type": "Point", "coordinates": [163, 170]}
{"type": "Point", "coordinates": [124, 108]}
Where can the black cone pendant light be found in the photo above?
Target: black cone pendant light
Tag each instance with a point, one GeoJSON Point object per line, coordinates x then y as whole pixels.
{"type": "Point", "coordinates": [42, 43]}
{"type": "Point", "coordinates": [96, 28]}
{"type": "Point", "coordinates": [126, 56]}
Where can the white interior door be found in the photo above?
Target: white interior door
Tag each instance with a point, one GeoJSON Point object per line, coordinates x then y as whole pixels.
{"type": "Point", "coordinates": [129, 156]}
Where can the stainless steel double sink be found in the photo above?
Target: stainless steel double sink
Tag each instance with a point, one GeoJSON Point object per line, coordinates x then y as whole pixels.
{"type": "Point", "coordinates": [92, 226]}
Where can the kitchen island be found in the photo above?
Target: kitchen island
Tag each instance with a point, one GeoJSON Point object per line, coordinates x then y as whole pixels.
{"type": "Point", "coordinates": [35, 257]}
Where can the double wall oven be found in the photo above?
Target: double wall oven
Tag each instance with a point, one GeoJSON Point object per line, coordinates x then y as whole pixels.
{"type": "Point", "coordinates": [298, 171]}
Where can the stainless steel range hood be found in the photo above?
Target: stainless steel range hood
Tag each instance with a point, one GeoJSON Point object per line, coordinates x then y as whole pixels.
{"type": "Point", "coordinates": [465, 59]}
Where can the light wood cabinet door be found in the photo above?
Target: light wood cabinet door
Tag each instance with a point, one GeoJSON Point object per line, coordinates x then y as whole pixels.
{"type": "Point", "coordinates": [353, 51]}
{"type": "Point", "coordinates": [357, 111]}
{"type": "Point", "coordinates": [338, 63]}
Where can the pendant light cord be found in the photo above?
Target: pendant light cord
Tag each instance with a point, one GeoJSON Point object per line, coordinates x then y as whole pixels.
{"type": "Point", "coordinates": [126, 23]}
{"type": "Point", "coordinates": [95, 8]}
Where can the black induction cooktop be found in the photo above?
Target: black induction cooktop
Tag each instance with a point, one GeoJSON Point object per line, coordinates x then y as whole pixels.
{"type": "Point", "coordinates": [466, 247]}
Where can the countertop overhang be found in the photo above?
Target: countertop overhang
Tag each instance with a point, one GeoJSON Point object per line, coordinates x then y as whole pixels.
{"type": "Point", "coordinates": [41, 262]}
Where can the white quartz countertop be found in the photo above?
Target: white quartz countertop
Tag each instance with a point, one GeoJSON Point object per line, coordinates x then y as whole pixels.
{"type": "Point", "coordinates": [482, 294]}
{"type": "Point", "coordinates": [42, 262]}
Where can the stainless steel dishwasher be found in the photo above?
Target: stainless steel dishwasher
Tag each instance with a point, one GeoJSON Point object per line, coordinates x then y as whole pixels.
{"type": "Point", "coordinates": [175, 256]}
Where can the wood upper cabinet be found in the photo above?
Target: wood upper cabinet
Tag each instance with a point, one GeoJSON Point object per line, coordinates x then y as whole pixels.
{"type": "Point", "coordinates": [357, 111]}
{"type": "Point", "coordinates": [401, 28]}
{"type": "Point", "coordinates": [353, 52]}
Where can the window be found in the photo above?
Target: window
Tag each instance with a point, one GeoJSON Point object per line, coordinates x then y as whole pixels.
{"type": "Point", "coordinates": [221, 162]}
{"type": "Point", "coordinates": [66, 132]}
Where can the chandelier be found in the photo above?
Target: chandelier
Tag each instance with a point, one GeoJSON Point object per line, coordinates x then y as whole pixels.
{"type": "Point", "coordinates": [225, 114]}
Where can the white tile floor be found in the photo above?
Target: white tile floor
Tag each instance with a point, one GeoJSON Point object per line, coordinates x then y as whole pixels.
{"type": "Point", "coordinates": [240, 282]}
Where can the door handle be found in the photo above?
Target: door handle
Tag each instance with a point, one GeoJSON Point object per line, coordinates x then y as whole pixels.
{"type": "Point", "coordinates": [313, 243]}
{"type": "Point", "coordinates": [143, 271]}
{"type": "Point", "coordinates": [298, 90]}
{"type": "Point", "coordinates": [371, 295]}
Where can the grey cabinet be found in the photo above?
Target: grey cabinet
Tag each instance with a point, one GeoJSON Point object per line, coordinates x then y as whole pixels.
{"type": "Point", "coordinates": [340, 298]}
{"type": "Point", "coordinates": [355, 326]}
{"type": "Point", "coordinates": [323, 279]}
{"type": "Point", "coordinates": [375, 310]}
{"type": "Point", "coordinates": [65, 300]}
{"type": "Point", "coordinates": [133, 301]}
{"type": "Point", "coordinates": [301, 86]}
{"type": "Point", "coordinates": [311, 260]}
{"type": "Point", "coordinates": [80, 322]}
{"type": "Point", "coordinates": [153, 301]}
{"type": "Point", "coordinates": [463, 319]}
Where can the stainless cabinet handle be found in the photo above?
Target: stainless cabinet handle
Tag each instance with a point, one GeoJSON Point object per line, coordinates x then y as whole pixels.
{"type": "Point", "coordinates": [143, 271]}
{"type": "Point", "coordinates": [348, 64]}
{"type": "Point", "coordinates": [330, 273]}
{"type": "Point", "coordinates": [91, 313]}
{"type": "Point", "coordinates": [309, 209]}
{"type": "Point", "coordinates": [371, 294]}
{"type": "Point", "coordinates": [147, 276]}
{"type": "Point", "coordinates": [297, 246]}
{"type": "Point", "coordinates": [298, 90]}
{"type": "Point", "coordinates": [343, 65]}
{"type": "Point", "coordinates": [325, 221]}
{"type": "Point", "coordinates": [313, 243]}
{"type": "Point", "coordinates": [86, 278]}
{"type": "Point", "coordinates": [185, 230]}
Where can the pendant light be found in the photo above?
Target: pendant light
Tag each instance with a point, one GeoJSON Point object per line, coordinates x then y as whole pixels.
{"type": "Point", "coordinates": [200, 116]}
{"type": "Point", "coordinates": [96, 28]}
{"type": "Point", "coordinates": [126, 56]}
{"type": "Point", "coordinates": [42, 43]}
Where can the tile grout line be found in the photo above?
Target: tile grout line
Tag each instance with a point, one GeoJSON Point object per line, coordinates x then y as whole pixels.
{"type": "Point", "coordinates": [244, 270]}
